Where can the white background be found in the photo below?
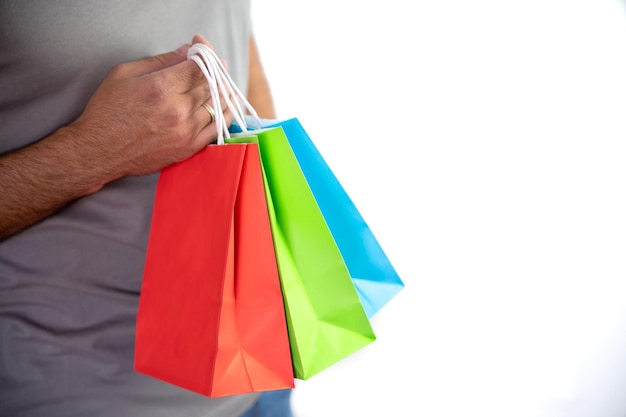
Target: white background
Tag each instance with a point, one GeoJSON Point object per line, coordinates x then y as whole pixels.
{"type": "Point", "coordinates": [483, 142]}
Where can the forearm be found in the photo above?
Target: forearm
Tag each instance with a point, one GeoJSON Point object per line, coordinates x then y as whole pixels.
{"type": "Point", "coordinates": [38, 180]}
{"type": "Point", "coordinates": [259, 93]}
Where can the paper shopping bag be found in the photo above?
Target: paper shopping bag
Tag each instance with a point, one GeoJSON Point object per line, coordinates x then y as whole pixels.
{"type": "Point", "coordinates": [375, 278]}
{"type": "Point", "coordinates": [211, 316]}
{"type": "Point", "coordinates": [325, 317]}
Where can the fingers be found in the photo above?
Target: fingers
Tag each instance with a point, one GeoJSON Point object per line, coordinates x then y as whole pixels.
{"type": "Point", "coordinates": [188, 75]}
{"type": "Point", "coordinates": [180, 75]}
{"type": "Point", "coordinates": [152, 63]}
{"type": "Point", "coordinates": [205, 112]}
{"type": "Point", "coordinates": [208, 134]}
{"type": "Point", "coordinates": [211, 111]}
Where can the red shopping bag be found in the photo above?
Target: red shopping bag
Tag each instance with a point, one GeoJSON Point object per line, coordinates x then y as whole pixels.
{"type": "Point", "coordinates": [211, 316]}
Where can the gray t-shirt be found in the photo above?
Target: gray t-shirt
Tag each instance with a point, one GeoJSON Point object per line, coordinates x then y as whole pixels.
{"type": "Point", "coordinates": [69, 285]}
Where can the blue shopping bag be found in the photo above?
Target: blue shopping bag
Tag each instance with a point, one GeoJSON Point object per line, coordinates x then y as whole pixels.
{"type": "Point", "coordinates": [373, 275]}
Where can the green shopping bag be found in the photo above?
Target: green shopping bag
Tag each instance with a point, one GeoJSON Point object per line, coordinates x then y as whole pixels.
{"type": "Point", "coordinates": [325, 318]}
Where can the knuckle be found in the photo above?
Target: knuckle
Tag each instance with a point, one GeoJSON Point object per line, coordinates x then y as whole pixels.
{"type": "Point", "coordinates": [157, 94]}
{"type": "Point", "coordinates": [194, 74]}
{"type": "Point", "coordinates": [118, 71]}
{"type": "Point", "coordinates": [175, 117]}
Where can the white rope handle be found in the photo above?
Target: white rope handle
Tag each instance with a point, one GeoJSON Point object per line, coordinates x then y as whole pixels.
{"type": "Point", "coordinates": [221, 84]}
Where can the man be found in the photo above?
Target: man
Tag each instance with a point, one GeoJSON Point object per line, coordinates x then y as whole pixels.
{"type": "Point", "coordinates": [91, 110]}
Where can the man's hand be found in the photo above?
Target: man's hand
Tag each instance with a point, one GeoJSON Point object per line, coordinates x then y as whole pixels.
{"type": "Point", "coordinates": [146, 115]}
